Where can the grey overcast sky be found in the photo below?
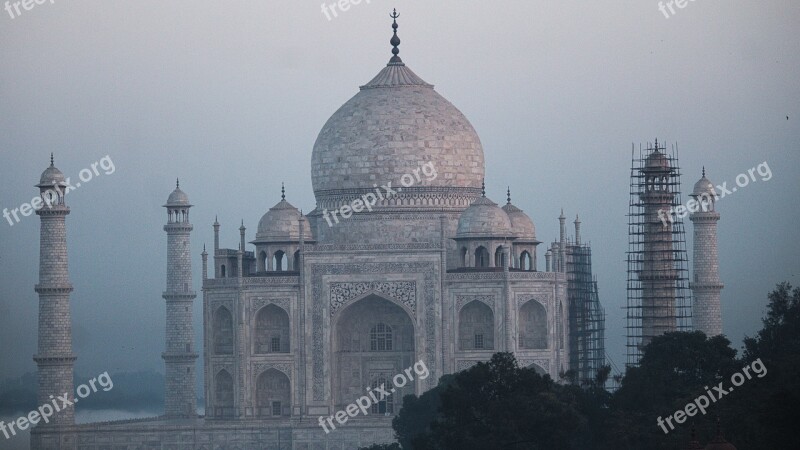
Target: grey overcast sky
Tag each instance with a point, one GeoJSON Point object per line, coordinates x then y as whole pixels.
{"type": "Point", "coordinates": [230, 95]}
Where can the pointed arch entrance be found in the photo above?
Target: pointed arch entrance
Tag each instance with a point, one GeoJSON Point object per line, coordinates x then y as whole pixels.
{"type": "Point", "coordinates": [373, 341]}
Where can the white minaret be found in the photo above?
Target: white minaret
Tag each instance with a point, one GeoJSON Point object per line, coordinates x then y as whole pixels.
{"type": "Point", "coordinates": [706, 285]}
{"type": "Point", "coordinates": [54, 357]}
{"type": "Point", "coordinates": [179, 356]}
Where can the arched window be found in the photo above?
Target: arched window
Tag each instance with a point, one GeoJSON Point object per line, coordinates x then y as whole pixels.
{"type": "Point", "coordinates": [273, 394]}
{"type": "Point", "coordinates": [476, 327]}
{"type": "Point", "coordinates": [262, 261]}
{"type": "Point", "coordinates": [222, 271]}
{"type": "Point", "coordinates": [296, 263]}
{"type": "Point", "coordinates": [272, 330]}
{"type": "Point", "coordinates": [533, 326]}
{"type": "Point", "coordinates": [380, 338]}
{"type": "Point", "coordinates": [464, 257]}
{"type": "Point", "coordinates": [481, 257]}
{"type": "Point", "coordinates": [525, 262]}
{"type": "Point", "coordinates": [279, 261]}
{"type": "Point", "coordinates": [223, 394]}
{"type": "Point", "coordinates": [223, 332]}
{"type": "Point", "coordinates": [498, 257]}
{"type": "Point", "coordinates": [385, 405]}
{"type": "Point", "coordinates": [706, 202]}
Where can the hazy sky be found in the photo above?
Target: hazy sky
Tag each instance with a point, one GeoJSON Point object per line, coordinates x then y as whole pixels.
{"type": "Point", "coordinates": [229, 96]}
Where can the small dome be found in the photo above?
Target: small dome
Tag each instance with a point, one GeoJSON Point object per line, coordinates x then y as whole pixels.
{"type": "Point", "coordinates": [484, 218]}
{"type": "Point", "coordinates": [178, 198]}
{"type": "Point", "coordinates": [704, 187]}
{"type": "Point", "coordinates": [657, 160]}
{"type": "Point", "coordinates": [521, 223]}
{"type": "Point", "coordinates": [51, 176]}
{"type": "Point", "coordinates": [280, 224]}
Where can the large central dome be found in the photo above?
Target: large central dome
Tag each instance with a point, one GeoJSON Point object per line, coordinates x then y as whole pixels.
{"type": "Point", "coordinates": [394, 125]}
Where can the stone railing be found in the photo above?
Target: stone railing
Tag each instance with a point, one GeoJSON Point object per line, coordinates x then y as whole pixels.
{"type": "Point", "coordinates": [251, 281]}
{"type": "Point", "coordinates": [500, 275]}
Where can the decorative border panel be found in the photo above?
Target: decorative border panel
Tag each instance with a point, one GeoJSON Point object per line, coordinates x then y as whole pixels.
{"type": "Point", "coordinates": [256, 303]}
{"type": "Point", "coordinates": [543, 363]}
{"type": "Point", "coordinates": [462, 300]}
{"type": "Point", "coordinates": [285, 367]}
{"type": "Point", "coordinates": [431, 282]}
{"type": "Point", "coordinates": [402, 291]}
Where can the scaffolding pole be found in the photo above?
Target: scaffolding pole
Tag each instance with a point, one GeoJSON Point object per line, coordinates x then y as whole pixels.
{"type": "Point", "coordinates": [587, 317]}
{"type": "Point", "coordinates": [658, 295]}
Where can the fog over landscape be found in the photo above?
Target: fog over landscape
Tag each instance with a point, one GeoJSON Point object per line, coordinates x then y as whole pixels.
{"type": "Point", "coordinates": [230, 97]}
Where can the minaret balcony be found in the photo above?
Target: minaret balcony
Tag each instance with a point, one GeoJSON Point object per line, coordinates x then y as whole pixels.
{"type": "Point", "coordinates": [53, 289]}
{"type": "Point", "coordinates": [179, 357]}
{"type": "Point", "coordinates": [54, 360]}
{"type": "Point", "coordinates": [188, 295]}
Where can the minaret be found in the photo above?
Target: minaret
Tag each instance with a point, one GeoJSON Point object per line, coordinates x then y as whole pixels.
{"type": "Point", "coordinates": [658, 275]}
{"type": "Point", "coordinates": [216, 235]}
{"type": "Point", "coordinates": [562, 242]}
{"type": "Point", "coordinates": [54, 357]}
{"type": "Point", "coordinates": [242, 231]}
{"type": "Point", "coordinates": [179, 356]}
{"type": "Point", "coordinates": [204, 255]}
{"type": "Point", "coordinates": [706, 285]}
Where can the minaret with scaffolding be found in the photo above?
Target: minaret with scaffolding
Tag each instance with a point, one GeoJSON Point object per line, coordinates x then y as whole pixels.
{"type": "Point", "coordinates": [586, 314]}
{"type": "Point", "coordinates": [658, 296]}
{"type": "Point", "coordinates": [586, 337]}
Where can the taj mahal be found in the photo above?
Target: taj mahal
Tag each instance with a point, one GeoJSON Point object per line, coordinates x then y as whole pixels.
{"type": "Point", "coordinates": [307, 313]}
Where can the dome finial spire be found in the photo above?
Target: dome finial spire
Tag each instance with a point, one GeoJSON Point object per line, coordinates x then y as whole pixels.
{"type": "Point", "coordinates": [704, 171]}
{"type": "Point", "coordinates": [177, 183]}
{"type": "Point", "coordinates": [508, 194]}
{"type": "Point", "coordinates": [52, 164]}
{"type": "Point", "coordinates": [283, 191]}
{"type": "Point", "coordinates": [395, 41]}
{"type": "Point", "coordinates": [483, 187]}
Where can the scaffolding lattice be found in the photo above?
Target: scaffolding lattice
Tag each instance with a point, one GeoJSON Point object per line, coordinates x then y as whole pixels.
{"type": "Point", "coordinates": [659, 299]}
{"type": "Point", "coordinates": [587, 317]}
